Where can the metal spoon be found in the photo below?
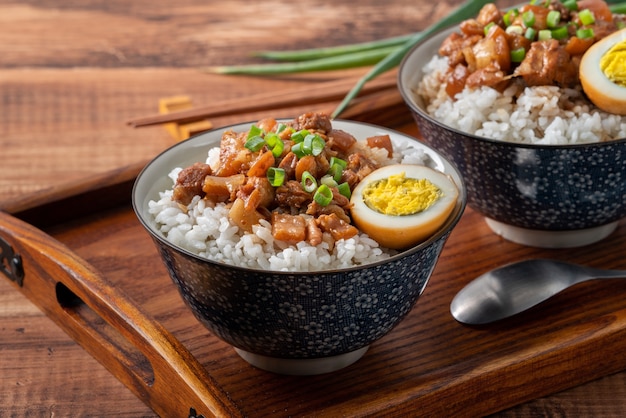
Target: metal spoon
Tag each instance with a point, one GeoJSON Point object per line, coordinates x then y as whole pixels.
{"type": "Point", "coordinates": [513, 288]}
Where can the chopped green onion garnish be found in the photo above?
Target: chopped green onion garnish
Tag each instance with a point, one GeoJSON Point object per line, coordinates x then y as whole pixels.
{"type": "Point", "coordinates": [299, 136]}
{"type": "Point", "coordinates": [328, 180]}
{"type": "Point", "coordinates": [489, 25]}
{"type": "Point", "coordinates": [336, 160]}
{"type": "Point", "coordinates": [336, 170]}
{"type": "Point", "coordinates": [344, 189]}
{"type": "Point", "coordinates": [323, 195]}
{"type": "Point", "coordinates": [280, 128]}
{"type": "Point", "coordinates": [313, 145]}
{"type": "Point", "coordinates": [571, 5]}
{"type": "Point", "coordinates": [528, 18]}
{"type": "Point", "coordinates": [255, 131]}
{"type": "Point", "coordinates": [531, 33]}
{"type": "Point", "coordinates": [277, 149]}
{"type": "Point", "coordinates": [585, 33]}
{"type": "Point", "coordinates": [309, 184]}
{"type": "Point", "coordinates": [518, 55]}
{"type": "Point", "coordinates": [515, 30]}
{"type": "Point", "coordinates": [255, 143]}
{"type": "Point", "coordinates": [559, 33]}
{"type": "Point", "coordinates": [510, 16]}
{"type": "Point", "coordinates": [545, 34]}
{"type": "Point", "coordinates": [297, 149]}
{"type": "Point", "coordinates": [586, 17]}
{"type": "Point", "coordinates": [272, 139]}
{"type": "Point", "coordinates": [553, 19]}
{"type": "Point", "coordinates": [276, 176]}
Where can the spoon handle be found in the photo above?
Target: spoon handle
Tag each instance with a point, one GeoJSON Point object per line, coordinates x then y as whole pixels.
{"type": "Point", "coordinates": [605, 274]}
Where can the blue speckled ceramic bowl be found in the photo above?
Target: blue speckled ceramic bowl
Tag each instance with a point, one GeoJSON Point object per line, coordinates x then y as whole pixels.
{"type": "Point", "coordinates": [294, 323]}
{"type": "Point", "coordinates": [537, 195]}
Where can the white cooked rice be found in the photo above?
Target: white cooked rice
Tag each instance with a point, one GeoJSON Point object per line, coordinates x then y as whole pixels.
{"type": "Point", "coordinates": [545, 115]}
{"type": "Point", "coordinates": [206, 231]}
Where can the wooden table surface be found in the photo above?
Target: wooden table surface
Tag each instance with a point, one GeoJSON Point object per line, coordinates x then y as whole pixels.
{"type": "Point", "coordinates": [73, 73]}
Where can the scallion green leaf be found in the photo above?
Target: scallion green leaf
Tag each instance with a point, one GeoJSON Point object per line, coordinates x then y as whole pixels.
{"type": "Point", "coordinates": [553, 19]}
{"type": "Point", "coordinates": [309, 184]}
{"type": "Point", "coordinates": [586, 17]}
{"type": "Point", "coordinates": [344, 190]}
{"type": "Point", "coordinates": [276, 176]}
{"type": "Point", "coordinates": [337, 160]}
{"type": "Point", "coordinates": [333, 51]}
{"type": "Point", "coordinates": [518, 55]}
{"type": "Point", "coordinates": [528, 17]}
{"type": "Point", "coordinates": [255, 143]}
{"type": "Point", "coordinates": [313, 145]}
{"type": "Point", "coordinates": [328, 180]}
{"type": "Point", "coordinates": [299, 135]}
{"type": "Point", "coordinates": [323, 195]}
{"type": "Point", "coordinates": [571, 5]}
{"type": "Point", "coordinates": [559, 33]}
{"type": "Point", "coordinates": [585, 33]}
{"type": "Point", "coordinates": [544, 35]}
{"type": "Point", "coordinates": [297, 149]}
{"type": "Point", "coordinates": [530, 33]}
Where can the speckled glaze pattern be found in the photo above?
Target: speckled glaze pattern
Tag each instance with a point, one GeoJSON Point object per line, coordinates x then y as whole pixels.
{"type": "Point", "coordinates": [550, 188]}
{"type": "Point", "coordinates": [303, 315]}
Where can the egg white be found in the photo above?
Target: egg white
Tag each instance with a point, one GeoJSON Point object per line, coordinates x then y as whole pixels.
{"type": "Point", "coordinates": [399, 232]}
{"type": "Point", "coordinates": [604, 93]}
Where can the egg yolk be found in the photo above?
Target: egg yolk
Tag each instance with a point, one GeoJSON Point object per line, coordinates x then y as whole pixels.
{"type": "Point", "coordinates": [401, 205]}
{"type": "Point", "coordinates": [398, 195]}
{"type": "Point", "coordinates": [613, 63]}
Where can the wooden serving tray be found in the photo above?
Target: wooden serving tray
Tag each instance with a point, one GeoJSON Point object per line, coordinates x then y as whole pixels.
{"type": "Point", "coordinates": [93, 269]}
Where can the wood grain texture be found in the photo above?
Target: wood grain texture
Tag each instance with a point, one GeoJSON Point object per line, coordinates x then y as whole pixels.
{"type": "Point", "coordinates": [73, 72]}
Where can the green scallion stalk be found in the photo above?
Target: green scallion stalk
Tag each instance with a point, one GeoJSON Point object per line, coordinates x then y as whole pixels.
{"type": "Point", "coordinates": [487, 27]}
{"type": "Point", "coordinates": [510, 16]}
{"type": "Point", "coordinates": [278, 148]}
{"type": "Point", "coordinates": [344, 190]}
{"type": "Point", "coordinates": [255, 143]}
{"type": "Point", "coordinates": [528, 18]}
{"type": "Point", "coordinates": [309, 184]}
{"type": "Point", "coordinates": [571, 5]}
{"type": "Point", "coordinates": [333, 51]}
{"type": "Point", "coordinates": [530, 33]}
{"type": "Point", "coordinates": [276, 176]}
{"type": "Point", "coordinates": [328, 180]}
{"type": "Point", "coordinates": [297, 149]}
{"type": "Point", "coordinates": [559, 33]}
{"type": "Point", "coordinates": [468, 9]}
{"type": "Point", "coordinates": [337, 160]}
{"type": "Point", "coordinates": [336, 170]}
{"type": "Point", "coordinates": [618, 8]}
{"type": "Point", "coordinates": [323, 195]}
{"type": "Point", "coordinates": [298, 136]}
{"type": "Point", "coordinates": [518, 55]}
{"type": "Point", "coordinates": [586, 17]}
{"type": "Point", "coordinates": [553, 19]}
{"type": "Point", "coordinates": [350, 60]}
{"type": "Point", "coordinates": [584, 33]}
{"type": "Point", "coordinates": [544, 35]}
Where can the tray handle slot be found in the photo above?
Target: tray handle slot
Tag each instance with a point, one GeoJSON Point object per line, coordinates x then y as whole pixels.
{"type": "Point", "coordinates": [105, 321]}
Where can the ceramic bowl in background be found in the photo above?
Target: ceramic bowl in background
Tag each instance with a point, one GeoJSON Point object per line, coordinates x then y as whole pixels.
{"type": "Point", "coordinates": [551, 196]}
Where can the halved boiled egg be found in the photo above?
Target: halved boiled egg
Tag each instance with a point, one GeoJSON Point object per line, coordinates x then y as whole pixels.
{"type": "Point", "coordinates": [603, 73]}
{"type": "Point", "coordinates": [400, 205]}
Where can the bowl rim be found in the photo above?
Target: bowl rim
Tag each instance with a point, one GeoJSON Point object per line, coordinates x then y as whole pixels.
{"type": "Point", "coordinates": [407, 94]}
{"type": "Point", "coordinates": [446, 228]}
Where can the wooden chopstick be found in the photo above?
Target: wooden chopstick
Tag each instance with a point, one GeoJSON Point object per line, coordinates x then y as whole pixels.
{"type": "Point", "coordinates": [322, 93]}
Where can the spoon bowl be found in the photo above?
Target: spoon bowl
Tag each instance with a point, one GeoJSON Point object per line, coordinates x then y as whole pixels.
{"type": "Point", "coordinates": [516, 287]}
